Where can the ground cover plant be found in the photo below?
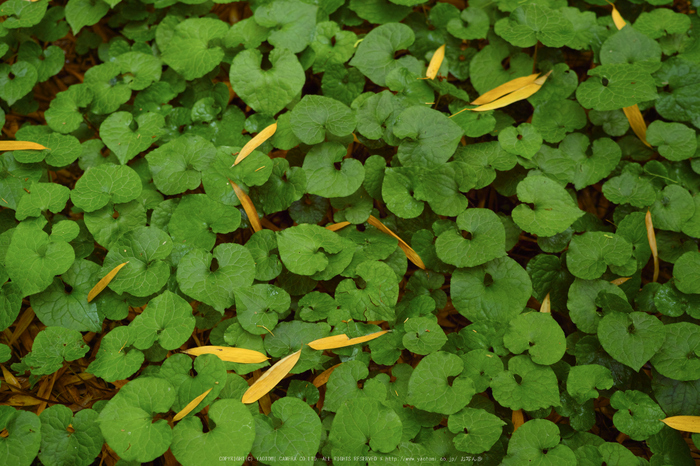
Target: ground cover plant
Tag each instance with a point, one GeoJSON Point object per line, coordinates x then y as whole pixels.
{"type": "Point", "coordinates": [349, 231]}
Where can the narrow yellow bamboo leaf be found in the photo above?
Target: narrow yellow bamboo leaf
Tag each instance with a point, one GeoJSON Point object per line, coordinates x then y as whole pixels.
{"type": "Point", "coordinates": [102, 284]}
{"type": "Point", "coordinates": [271, 378]}
{"type": "Point", "coordinates": [323, 377]}
{"type": "Point", "coordinates": [191, 405]}
{"type": "Point", "coordinates": [520, 94]}
{"type": "Point", "coordinates": [619, 281]}
{"type": "Point", "coordinates": [341, 341]}
{"type": "Point", "coordinates": [503, 89]}
{"type": "Point", "coordinates": [20, 145]}
{"type": "Point", "coordinates": [546, 305]}
{"type": "Point", "coordinates": [684, 423]}
{"type": "Point", "coordinates": [254, 143]}
{"type": "Point", "coordinates": [435, 62]}
{"type": "Point", "coordinates": [637, 123]}
{"type": "Point", "coordinates": [408, 250]}
{"type": "Point", "coordinates": [229, 354]}
{"type": "Point", "coordinates": [337, 226]}
{"type": "Point", "coordinates": [617, 17]}
{"type": "Point", "coordinates": [518, 419]}
{"type": "Point", "coordinates": [652, 244]}
{"type": "Point", "coordinates": [248, 206]}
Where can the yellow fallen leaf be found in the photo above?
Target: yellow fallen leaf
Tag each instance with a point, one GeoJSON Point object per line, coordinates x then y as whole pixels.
{"type": "Point", "coordinates": [22, 400]}
{"type": "Point", "coordinates": [254, 143]}
{"type": "Point", "coordinates": [546, 304]}
{"type": "Point", "coordinates": [503, 89]}
{"type": "Point", "coordinates": [435, 62]}
{"type": "Point", "coordinates": [617, 17]}
{"type": "Point", "coordinates": [515, 96]}
{"type": "Point", "coordinates": [248, 206]}
{"type": "Point", "coordinates": [229, 354]}
{"type": "Point", "coordinates": [10, 379]}
{"type": "Point", "coordinates": [619, 281]}
{"type": "Point", "coordinates": [341, 341]}
{"type": "Point", "coordinates": [271, 378]}
{"type": "Point", "coordinates": [651, 236]}
{"type": "Point", "coordinates": [323, 377]}
{"type": "Point", "coordinates": [191, 405]}
{"type": "Point", "coordinates": [637, 123]}
{"type": "Point", "coordinates": [102, 284]}
{"type": "Point", "coordinates": [518, 419]}
{"type": "Point", "coordinates": [20, 145]}
{"type": "Point", "coordinates": [408, 250]}
{"type": "Point", "coordinates": [684, 423]}
{"type": "Point", "coordinates": [337, 226]}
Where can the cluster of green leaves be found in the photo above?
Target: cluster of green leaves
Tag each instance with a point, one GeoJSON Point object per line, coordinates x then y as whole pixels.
{"type": "Point", "coordinates": [501, 206]}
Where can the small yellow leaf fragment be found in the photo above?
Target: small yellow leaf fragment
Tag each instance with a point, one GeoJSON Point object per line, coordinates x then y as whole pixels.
{"type": "Point", "coordinates": [20, 145]}
{"type": "Point", "coordinates": [323, 377]}
{"type": "Point", "coordinates": [271, 378]}
{"type": "Point", "coordinates": [518, 419]}
{"type": "Point", "coordinates": [515, 96]}
{"type": "Point", "coordinates": [341, 341]}
{"type": "Point", "coordinates": [435, 62]}
{"type": "Point", "coordinates": [637, 123]}
{"type": "Point", "coordinates": [102, 284]}
{"type": "Point", "coordinates": [684, 423]}
{"type": "Point", "coordinates": [248, 206]}
{"type": "Point", "coordinates": [619, 281]}
{"type": "Point", "coordinates": [229, 354]}
{"type": "Point", "coordinates": [10, 379]}
{"type": "Point", "coordinates": [546, 305]}
{"type": "Point", "coordinates": [507, 88]}
{"type": "Point", "coordinates": [617, 17]}
{"type": "Point", "coordinates": [191, 405]}
{"type": "Point", "coordinates": [652, 243]}
{"type": "Point", "coordinates": [254, 143]}
{"type": "Point", "coordinates": [22, 400]}
{"type": "Point", "coordinates": [337, 226]}
{"type": "Point", "coordinates": [408, 250]}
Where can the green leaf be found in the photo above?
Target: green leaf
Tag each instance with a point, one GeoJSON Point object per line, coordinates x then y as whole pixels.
{"type": "Point", "coordinates": [524, 140]}
{"type": "Point", "coordinates": [583, 380]}
{"type": "Point", "coordinates": [343, 385]}
{"type": "Point", "coordinates": [61, 150]}
{"type": "Point", "coordinates": [631, 339]}
{"type": "Point", "coordinates": [484, 241]}
{"type": "Point", "coordinates": [630, 188]}
{"type": "Point", "coordinates": [616, 86]}
{"type": "Point", "coordinates": [379, 11]}
{"type": "Point", "coordinates": [592, 252]}
{"type": "Point", "coordinates": [554, 119]}
{"type": "Point", "coordinates": [192, 446]}
{"type": "Point", "coordinates": [591, 166]}
{"type": "Point", "coordinates": [210, 373]}
{"type": "Point", "coordinates": [17, 80]}
{"type": "Point", "coordinates": [429, 137]}
{"type": "Point", "coordinates": [292, 23]}
{"type": "Point", "coordinates": [539, 334]}
{"type": "Point", "coordinates": [64, 115]}
{"type": "Point", "coordinates": [473, 23]}
{"type": "Point", "coordinates": [193, 50]}
{"type": "Point", "coordinates": [177, 165]}
{"type": "Point", "coordinates": [537, 442]}
{"type": "Point", "coordinates": [554, 210]}
{"type": "Point", "coordinates": [267, 91]}
{"type": "Point", "coordinates": [116, 360]}
{"type": "Point", "coordinates": [477, 430]}
{"type": "Point", "coordinates": [674, 206]}
{"type": "Point", "coordinates": [168, 320]}
{"type": "Point", "coordinates": [59, 445]}
{"type": "Point", "coordinates": [51, 347]}
{"type": "Point", "coordinates": [675, 140]}
{"type": "Point", "coordinates": [126, 143]}
{"type": "Point", "coordinates": [109, 92]}
{"type": "Point", "coordinates": [127, 423]}
{"type": "Point", "coordinates": [614, 122]}
{"type": "Point", "coordinates": [146, 250]}
{"type": "Point", "coordinates": [496, 291]}
{"type": "Point", "coordinates": [685, 273]}
{"type": "Point", "coordinates": [24, 435]}
{"type": "Point", "coordinates": [259, 306]}
{"type": "Point", "coordinates": [332, 45]}
{"type": "Point", "coordinates": [286, 185]}
{"type": "Point", "coordinates": [678, 357]}
{"type": "Point", "coordinates": [486, 71]}
{"type": "Point", "coordinates": [660, 22]}
{"type": "Point", "coordinates": [364, 424]}
{"type": "Point", "coordinates": [582, 302]}
{"type": "Point", "coordinates": [322, 178]}
{"type": "Point", "coordinates": [316, 116]}
{"type": "Point", "coordinates": [48, 62]}
{"type": "Point", "coordinates": [106, 184]}
{"type": "Point", "coordinates": [81, 13]}
{"type": "Point", "coordinates": [423, 335]}
{"type": "Point", "coordinates": [526, 25]}
{"type": "Point", "coordinates": [263, 248]}
{"type": "Point", "coordinates": [372, 295]}
{"type": "Point", "coordinates": [22, 15]}
{"type": "Point", "coordinates": [638, 416]}
{"type": "Point", "coordinates": [42, 197]}
{"type": "Point", "coordinates": [629, 46]}
{"type": "Point", "coordinates": [33, 259]}
{"type": "Point", "coordinates": [141, 69]}
{"type": "Point", "coordinates": [438, 384]}
{"type": "Point", "coordinates": [109, 223]}
{"type": "Point", "coordinates": [292, 430]}
{"type": "Point", "coordinates": [375, 54]}
{"type": "Point", "coordinates": [308, 249]}
{"type": "Point", "coordinates": [234, 269]}
{"type": "Point", "coordinates": [525, 385]}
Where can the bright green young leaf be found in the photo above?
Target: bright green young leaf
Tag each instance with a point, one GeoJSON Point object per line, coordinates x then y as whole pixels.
{"type": "Point", "coordinates": [168, 319]}
{"type": "Point", "coordinates": [481, 366]}
{"type": "Point", "coordinates": [177, 165]}
{"type": "Point", "coordinates": [323, 179]}
{"type": "Point", "coordinates": [423, 335]}
{"type": "Point", "coordinates": [42, 197]}
{"type": "Point", "coordinates": [17, 80]}
{"type": "Point", "coordinates": [616, 86]}
{"type": "Point", "coordinates": [64, 114]}
{"type": "Point", "coordinates": [315, 117]}
{"type": "Point", "coordinates": [374, 56]}
{"type": "Point", "coordinates": [582, 302]}
{"type": "Point", "coordinates": [263, 247]}
{"type": "Point", "coordinates": [631, 339]}
{"type": "Point", "coordinates": [473, 23]}
{"type": "Point", "coordinates": [477, 430]}
{"type": "Point", "coordinates": [61, 150]}
{"type": "Point", "coordinates": [438, 384]}
{"type": "Point", "coordinates": [484, 241]}
{"type": "Point", "coordinates": [106, 184]}
{"type": "Point", "coordinates": [47, 62]}
{"type": "Point", "coordinates": [116, 359]}
{"type": "Point", "coordinates": [630, 188]}
{"type": "Point", "coordinates": [524, 140]}
{"type": "Point", "coordinates": [364, 424]}
{"type": "Point", "coordinates": [584, 379]}
{"type": "Point", "coordinates": [525, 385]}
{"type": "Point", "coordinates": [292, 23]}
{"type": "Point", "coordinates": [332, 45]}
{"type": "Point", "coordinates": [109, 91]}
{"type": "Point", "coordinates": [60, 445]}
{"type": "Point", "coordinates": [638, 416]}
{"type": "Point", "coordinates": [285, 186]}
{"type": "Point", "coordinates": [109, 223]}
{"type": "Point", "coordinates": [210, 373]}
{"type": "Point", "coordinates": [81, 13]}
{"type": "Point", "coordinates": [141, 69]}
{"type": "Point", "coordinates": [592, 252]}
{"type": "Point", "coordinates": [126, 143]}
{"type": "Point", "coordinates": [675, 140]}
{"type": "Point", "coordinates": [24, 436]}
{"type": "Point", "coordinates": [429, 138]}
{"type": "Point", "coordinates": [539, 334]}
{"type": "Point", "coordinates": [258, 307]}
{"type": "Point", "coordinates": [372, 295]}
{"type": "Point", "coordinates": [51, 347]}
{"type": "Point", "coordinates": [528, 24]}
{"type": "Point", "coordinates": [193, 50]}
{"type": "Point", "coordinates": [307, 249]}
{"type": "Point", "coordinates": [554, 210]}
{"type": "Point", "coordinates": [537, 442]}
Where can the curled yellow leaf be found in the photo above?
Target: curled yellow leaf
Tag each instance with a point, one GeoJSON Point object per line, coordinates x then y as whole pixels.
{"type": "Point", "coordinates": [254, 143]}
{"type": "Point", "coordinates": [637, 123]}
{"type": "Point", "coordinates": [408, 250]}
{"type": "Point", "coordinates": [20, 145]}
{"type": "Point", "coordinates": [617, 17]}
{"type": "Point", "coordinates": [515, 96]}
{"type": "Point", "coordinates": [503, 89]}
{"type": "Point", "coordinates": [226, 353]}
{"type": "Point", "coordinates": [684, 423]}
{"type": "Point", "coordinates": [337, 226]}
{"type": "Point", "coordinates": [619, 281]}
{"type": "Point", "coordinates": [341, 341]}
{"type": "Point", "coordinates": [323, 377]}
{"type": "Point", "coordinates": [191, 405]}
{"type": "Point", "coordinates": [651, 236]}
{"type": "Point", "coordinates": [546, 304]}
{"type": "Point", "coordinates": [102, 284]}
{"type": "Point", "coordinates": [248, 206]}
{"type": "Point", "coordinates": [435, 62]}
{"type": "Point", "coordinates": [271, 378]}
{"type": "Point", "coordinates": [518, 419]}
